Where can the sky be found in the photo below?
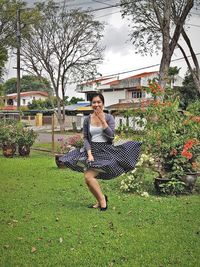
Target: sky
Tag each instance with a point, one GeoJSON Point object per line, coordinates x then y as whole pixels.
{"type": "Point", "coordinates": [120, 54]}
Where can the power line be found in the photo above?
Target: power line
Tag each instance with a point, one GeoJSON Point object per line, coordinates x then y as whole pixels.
{"type": "Point", "coordinates": [98, 9]}
{"type": "Point", "coordinates": [143, 68]}
{"type": "Point", "coordinates": [194, 25]}
{"type": "Point", "coordinates": [96, 1]}
{"type": "Point", "coordinates": [81, 4]}
{"type": "Point", "coordinates": [107, 14]}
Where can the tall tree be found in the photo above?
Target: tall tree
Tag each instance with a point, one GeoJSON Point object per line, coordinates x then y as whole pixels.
{"type": "Point", "coordinates": [28, 83]}
{"type": "Point", "coordinates": [63, 46]}
{"type": "Point", "coordinates": [8, 10]}
{"type": "Point", "coordinates": [194, 70]}
{"type": "Point", "coordinates": [172, 73]}
{"type": "Point", "coordinates": [153, 27]}
{"type": "Point", "coordinates": [188, 92]}
{"type": "Point", "coordinates": [6, 25]}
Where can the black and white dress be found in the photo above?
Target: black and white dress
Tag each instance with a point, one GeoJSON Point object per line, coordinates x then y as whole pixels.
{"type": "Point", "coordinates": [110, 161]}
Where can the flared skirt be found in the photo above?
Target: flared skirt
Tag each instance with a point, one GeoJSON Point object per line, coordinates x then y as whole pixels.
{"type": "Point", "coordinates": [109, 161]}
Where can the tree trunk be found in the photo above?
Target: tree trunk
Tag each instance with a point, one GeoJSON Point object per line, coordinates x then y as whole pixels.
{"type": "Point", "coordinates": [59, 113]}
{"type": "Point", "coordinates": [166, 53]}
{"type": "Point", "coordinates": [196, 73]}
{"type": "Point", "coordinates": [63, 104]}
{"type": "Point", "coordinates": [164, 67]}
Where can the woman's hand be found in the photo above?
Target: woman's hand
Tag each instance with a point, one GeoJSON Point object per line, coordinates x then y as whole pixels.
{"type": "Point", "coordinates": [100, 114]}
{"type": "Point", "coordinates": [90, 157]}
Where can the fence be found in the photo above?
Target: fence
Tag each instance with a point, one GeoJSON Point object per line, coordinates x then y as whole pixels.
{"type": "Point", "coordinates": [74, 122]}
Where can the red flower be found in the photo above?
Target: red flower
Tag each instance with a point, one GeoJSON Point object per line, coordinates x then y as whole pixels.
{"type": "Point", "coordinates": [186, 154]}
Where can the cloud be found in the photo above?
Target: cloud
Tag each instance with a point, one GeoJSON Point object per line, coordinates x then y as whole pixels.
{"type": "Point", "coordinates": [116, 39]}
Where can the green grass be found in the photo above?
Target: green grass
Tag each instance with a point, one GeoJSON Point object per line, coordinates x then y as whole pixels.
{"type": "Point", "coordinates": [46, 146]}
{"type": "Point", "coordinates": [46, 208]}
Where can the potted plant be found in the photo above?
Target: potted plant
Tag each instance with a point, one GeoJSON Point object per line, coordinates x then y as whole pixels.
{"type": "Point", "coordinates": [188, 162]}
{"type": "Point", "coordinates": [8, 137]}
{"type": "Point", "coordinates": [26, 138]}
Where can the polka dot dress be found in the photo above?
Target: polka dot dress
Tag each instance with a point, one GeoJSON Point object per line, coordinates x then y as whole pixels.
{"type": "Point", "coordinates": [109, 161]}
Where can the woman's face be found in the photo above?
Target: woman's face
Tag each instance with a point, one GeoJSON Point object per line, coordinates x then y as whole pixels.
{"type": "Point", "coordinates": [97, 103]}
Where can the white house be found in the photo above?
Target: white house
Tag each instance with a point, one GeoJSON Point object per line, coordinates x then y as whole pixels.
{"type": "Point", "coordinates": [10, 100]}
{"type": "Point", "coordinates": [121, 91]}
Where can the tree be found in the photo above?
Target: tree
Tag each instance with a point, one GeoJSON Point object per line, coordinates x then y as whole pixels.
{"type": "Point", "coordinates": [28, 83]}
{"type": "Point", "coordinates": [8, 10]}
{"type": "Point", "coordinates": [74, 100]}
{"type": "Point", "coordinates": [154, 29]}
{"type": "Point", "coordinates": [5, 29]}
{"type": "Point", "coordinates": [195, 72]}
{"type": "Point", "coordinates": [64, 46]}
{"type": "Point", "coordinates": [189, 92]}
{"type": "Point", "coordinates": [172, 72]}
{"type": "Point", "coordinates": [49, 103]}
{"type": "Point", "coordinates": [3, 59]}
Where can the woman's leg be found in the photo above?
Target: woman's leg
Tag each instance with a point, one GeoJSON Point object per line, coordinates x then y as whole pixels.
{"type": "Point", "coordinates": [94, 187]}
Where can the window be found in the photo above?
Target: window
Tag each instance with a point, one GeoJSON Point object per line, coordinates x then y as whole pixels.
{"type": "Point", "coordinates": [138, 94]}
{"type": "Point", "coordinates": [24, 101]}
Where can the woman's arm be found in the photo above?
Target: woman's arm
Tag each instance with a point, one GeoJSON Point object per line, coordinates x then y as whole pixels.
{"type": "Point", "coordinates": [109, 131]}
{"type": "Point", "coordinates": [85, 134]}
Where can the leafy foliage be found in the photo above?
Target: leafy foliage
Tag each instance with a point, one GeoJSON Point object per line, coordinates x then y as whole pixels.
{"type": "Point", "coordinates": [8, 10]}
{"type": "Point", "coordinates": [188, 92]}
{"type": "Point", "coordinates": [28, 83]}
{"type": "Point", "coordinates": [171, 135]}
{"type": "Point", "coordinates": [173, 187]}
{"type": "Point", "coordinates": [12, 132]}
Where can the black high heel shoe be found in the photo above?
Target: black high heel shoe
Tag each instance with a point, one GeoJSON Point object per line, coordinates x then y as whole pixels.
{"type": "Point", "coordinates": [105, 208]}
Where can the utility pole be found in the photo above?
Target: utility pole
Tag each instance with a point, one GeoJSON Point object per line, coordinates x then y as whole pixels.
{"type": "Point", "coordinates": [18, 35]}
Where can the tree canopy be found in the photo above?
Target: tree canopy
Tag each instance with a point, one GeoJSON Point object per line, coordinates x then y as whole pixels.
{"type": "Point", "coordinates": [8, 10]}
{"type": "Point", "coordinates": [28, 83]}
{"type": "Point", "coordinates": [154, 27]}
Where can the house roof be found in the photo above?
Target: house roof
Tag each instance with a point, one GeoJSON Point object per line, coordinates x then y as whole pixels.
{"type": "Point", "coordinates": [130, 105]}
{"type": "Point", "coordinates": [77, 106]}
{"type": "Point", "coordinates": [140, 75]}
{"type": "Point", "coordinates": [85, 108]}
{"type": "Point", "coordinates": [14, 95]}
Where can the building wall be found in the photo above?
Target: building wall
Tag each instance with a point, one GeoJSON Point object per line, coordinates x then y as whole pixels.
{"type": "Point", "coordinates": [24, 100]}
{"type": "Point", "coordinates": [113, 97]}
{"type": "Point", "coordinates": [144, 80]}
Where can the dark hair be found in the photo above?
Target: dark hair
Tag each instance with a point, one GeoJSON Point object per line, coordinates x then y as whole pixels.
{"type": "Point", "coordinates": [99, 95]}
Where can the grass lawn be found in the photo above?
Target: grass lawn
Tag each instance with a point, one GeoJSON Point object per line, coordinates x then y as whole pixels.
{"type": "Point", "coordinates": [46, 146]}
{"type": "Point", "coordinates": [45, 221]}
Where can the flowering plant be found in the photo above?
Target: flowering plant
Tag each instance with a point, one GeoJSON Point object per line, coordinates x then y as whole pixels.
{"type": "Point", "coordinates": [186, 158]}
{"type": "Point", "coordinates": [133, 181]}
{"type": "Point", "coordinates": [171, 135]}
{"type": "Point", "coordinates": [70, 143]}
{"type": "Point", "coordinates": [75, 141]}
{"type": "Point", "coordinates": [8, 132]}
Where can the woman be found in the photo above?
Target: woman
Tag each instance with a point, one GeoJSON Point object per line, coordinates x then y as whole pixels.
{"type": "Point", "coordinates": [100, 159]}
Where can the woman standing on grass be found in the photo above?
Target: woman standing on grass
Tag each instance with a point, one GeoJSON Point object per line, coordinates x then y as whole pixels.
{"type": "Point", "coordinates": [100, 159]}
